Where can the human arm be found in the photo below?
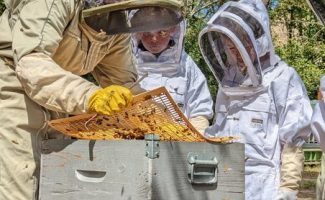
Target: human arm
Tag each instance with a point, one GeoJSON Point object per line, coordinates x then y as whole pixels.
{"type": "Point", "coordinates": [198, 100]}
{"type": "Point", "coordinates": [294, 119]}
{"type": "Point", "coordinates": [117, 67]}
{"type": "Point", "coordinates": [36, 38]}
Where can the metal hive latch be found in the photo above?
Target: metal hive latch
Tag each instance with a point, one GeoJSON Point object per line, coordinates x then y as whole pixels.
{"type": "Point", "coordinates": [202, 168]}
{"type": "Point", "coordinates": [152, 145]}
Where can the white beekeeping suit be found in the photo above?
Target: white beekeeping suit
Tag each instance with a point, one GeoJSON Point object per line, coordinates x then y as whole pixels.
{"type": "Point", "coordinates": [318, 129]}
{"type": "Point", "coordinates": [318, 118]}
{"type": "Point", "coordinates": [176, 71]}
{"type": "Point", "coordinates": [261, 99]}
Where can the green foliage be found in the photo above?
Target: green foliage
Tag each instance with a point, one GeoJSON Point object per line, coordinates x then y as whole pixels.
{"type": "Point", "coordinates": [192, 48]}
{"type": "Point", "coordinates": [197, 14]}
{"type": "Point", "coordinates": [308, 60]}
{"type": "Point", "coordinates": [2, 6]}
{"type": "Point", "coordinates": [304, 43]}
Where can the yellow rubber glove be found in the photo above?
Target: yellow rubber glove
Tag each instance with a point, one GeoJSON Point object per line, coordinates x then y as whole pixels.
{"type": "Point", "coordinates": [110, 100]}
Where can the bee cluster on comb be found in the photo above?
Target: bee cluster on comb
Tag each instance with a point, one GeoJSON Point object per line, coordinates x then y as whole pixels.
{"type": "Point", "coordinates": [151, 112]}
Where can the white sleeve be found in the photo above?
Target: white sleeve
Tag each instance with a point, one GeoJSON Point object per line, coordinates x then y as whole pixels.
{"type": "Point", "coordinates": [296, 111]}
{"type": "Point", "coordinates": [198, 99]}
{"type": "Point", "coordinates": [318, 123]}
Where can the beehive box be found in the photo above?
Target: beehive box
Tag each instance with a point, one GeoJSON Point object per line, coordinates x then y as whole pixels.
{"type": "Point", "coordinates": [141, 169]}
{"type": "Point", "coordinates": [118, 158]}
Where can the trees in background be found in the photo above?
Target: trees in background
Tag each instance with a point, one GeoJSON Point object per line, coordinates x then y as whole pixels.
{"type": "Point", "coordinates": [197, 12]}
{"type": "Point", "coordinates": [300, 41]}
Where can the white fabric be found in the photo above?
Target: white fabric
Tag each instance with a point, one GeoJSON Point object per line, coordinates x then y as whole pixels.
{"type": "Point", "coordinates": [318, 123]}
{"type": "Point", "coordinates": [181, 76]}
{"type": "Point", "coordinates": [262, 45]}
{"type": "Point", "coordinates": [264, 122]}
{"type": "Point", "coordinates": [278, 115]}
{"type": "Point", "coordinates": [149, 63]}
{"type": "Point", "coordinates": [188, 88]}
{"type": "Point", "coordinates": [253, 69]}
{"type": "Point", "coordinates": [168, 61]}
{"type": "Point", "coordinates": [287, 194]}
{"type": "Point", "coordinates": [322, 86]}
{"type": "Point", "coordinates": [318, 119]}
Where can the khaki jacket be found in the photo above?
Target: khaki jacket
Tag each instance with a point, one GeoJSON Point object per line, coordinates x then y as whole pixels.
{"type": "Point", "coordinates": [50, 48]}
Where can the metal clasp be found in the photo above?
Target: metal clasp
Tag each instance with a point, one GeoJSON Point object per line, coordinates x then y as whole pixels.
{"type": "Point", "coordinates": [152, 145]}
{"type": "Point", "coordinates": [202, 168]}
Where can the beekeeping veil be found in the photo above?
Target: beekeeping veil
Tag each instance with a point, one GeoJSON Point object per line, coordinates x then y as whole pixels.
{"type": "Point", "coordinates": [318, 7]}
{"type": "Point", "coordinates": [111, 16]}
{"type": "Point", "coordinates": [237, 46]}
{"type": "Point", "coordinates": [168, 61]}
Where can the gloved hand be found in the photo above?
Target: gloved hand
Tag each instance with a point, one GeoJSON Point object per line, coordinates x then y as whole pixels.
{"type": "Point", "coordinates": [292, 166]}
{"type": "Point", "coordinates": [109, 100]}
{"type": "Point", "coordinates": [287, 194]}
{"type": "Point", "coordinates": [200, 123]}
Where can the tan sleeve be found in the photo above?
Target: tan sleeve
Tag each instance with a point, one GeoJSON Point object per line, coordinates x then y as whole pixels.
{"type": "Point", "coordinates": [51, 86]}
{"type": "Point", "coordinates": [117, 67]}
{"type": "Point", "coordinates": [36, 36]}
{"type": "Point", "coordinates": [40, 26]}
{"type": "Point", "coordinates": [292, 165]}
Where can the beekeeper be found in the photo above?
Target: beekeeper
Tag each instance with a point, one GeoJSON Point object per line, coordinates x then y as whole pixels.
{"type": "Point", "coordinates": [44, 47]}
{"type": "Point", "coordinates": [318, 129]}
{"type": "Point", "coordinates": [318, 118]}
{"type": "Point", "coordinates": [160, 57]}
{"type": "Point", "coordinates": [261, 99]}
